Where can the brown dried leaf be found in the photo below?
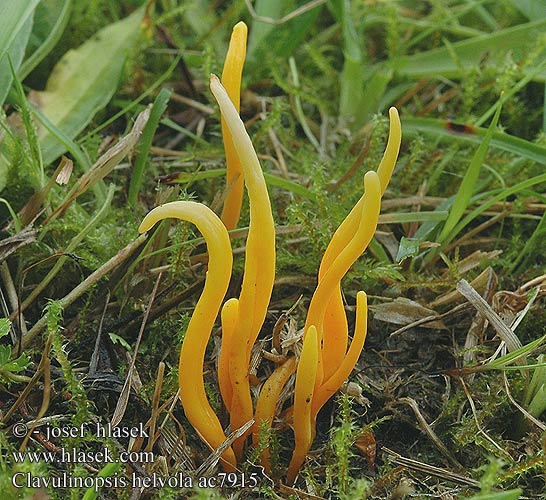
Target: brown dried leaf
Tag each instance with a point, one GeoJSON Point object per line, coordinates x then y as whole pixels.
{"type": "Point", "coordinates": [106, 163]}
{"type": "Point", "coordinates": [366, 445]}
{"type": "Point", "coordinates": [402, 311]}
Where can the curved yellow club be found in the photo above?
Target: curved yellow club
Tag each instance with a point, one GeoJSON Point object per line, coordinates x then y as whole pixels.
{"type": "Point", "coordinates": [230, 311]}
{"type": "Point", "coordinates": [331, 385]}
{"type": "Point", "coordinates": [267, 403]}
{"type": "Point", "coordinates": [190, 375]}
{"type": "Point", "coordinates": [335, 320]}
{"type": "Point", "coordinates": [369, 214]}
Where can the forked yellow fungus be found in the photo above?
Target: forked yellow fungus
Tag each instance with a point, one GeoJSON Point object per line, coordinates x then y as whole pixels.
{"type": "Point", "coordinates": [332, 384]}
{"type": "Point", "coordinates": [190, 372]}
{"type": "Point", "coordinates": [259, 271]}
{"type": "Point", "coordinates": [231, 80]}
{"type": "Point", "coordinates": [335, 321]}
{"type": "Point", "coordinates": [323, 389]}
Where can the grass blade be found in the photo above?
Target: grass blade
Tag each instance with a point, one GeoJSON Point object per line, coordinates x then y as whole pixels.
{"type": "Point", "coordinates": [466, 189]}
{"type": "Point", "coordinates": [500, 140]}
{"type": "Point", "coordinates": [14, 53]}
{"type": "Point", "coordinates": [14, 16]}
{"type": "Point", "coordinates": [158, 108]}
{"type": "Point", "coordinates": [85, 80]}
{"type": "Point", "coordinates": [62, 17]}
{"type": "Point", "coordinates": [517, 40]}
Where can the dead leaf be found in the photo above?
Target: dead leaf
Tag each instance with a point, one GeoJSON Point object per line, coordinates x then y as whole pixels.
{"type": "Point", "coordinates": [366, 445]}
{"type": "Point", "coordinates": [402, 311]}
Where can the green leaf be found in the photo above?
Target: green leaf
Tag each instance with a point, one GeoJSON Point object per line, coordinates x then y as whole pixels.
{"type": "Point", "coordinates": [466, 189]}
{"type": "Point", "coordinates": [158, 108]}
{"type": "Point", "coordinates": [501, 495]}
{"type": "Point", "coordinates": [107, 471]}
{"type": "Point", "coordinates": [50, 20]}
{"type": "Point", "coordinates": [517, 40]}
{"type": "Point", "coordinates": [501, 140]}
{"type": "Point", "coordinates": [15, 53]}
{"type": "Point", "coordinates": [17, 365]}
{"type": "Point", "coordinates": [269, 41]}
{"type": "Point", "coordinates": [5, 325]}
{"type": "Point", "coordinates": [13, 18]}
{"type": "Point", "coordinates": [84, 81]}
{"type": "Point", "coordinates": [116, 339]}
{"type": "Point", "coordinates": [531, 9]}
{"type": "Point", "coordinates": [409, 247]}
{"type": "Point", "coordinates": [5, 354]}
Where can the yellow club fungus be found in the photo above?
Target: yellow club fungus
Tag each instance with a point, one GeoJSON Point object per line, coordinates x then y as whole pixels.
{"type": "Point", "coordinates": [331, 385]}
{"type": "Point", "coordinates": [303, 400]}
{"type": "Point", "coordinates": [304, 417]}
{"type": "Point", "coordinates": [267, 403]}
{"type": "Point", "coordinates": [259, 271]}
{"type": "Point", "coordinates": [231, 80]}
{"type": "Point", "coordinates": [326, 359]}
{"type": "Point", "coordinates": [190, 375]}
{"type": "Point", "coordinates": [335, 321]}
{"type": "Point", "coordinates": [229, 325]}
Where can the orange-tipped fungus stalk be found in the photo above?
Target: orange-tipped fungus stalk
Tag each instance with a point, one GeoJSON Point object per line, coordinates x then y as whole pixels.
{"type": "Point", "coordinates": [190, 374]}
{"type": "Point", "coordinates": [231, 80]}
{"type": "Point", "coordinates": [259, 271]}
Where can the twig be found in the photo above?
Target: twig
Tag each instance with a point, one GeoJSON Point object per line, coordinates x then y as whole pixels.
{"type": "Point", "coordinates": [291, 15]}
{"type": "Point", "coordinates": [84, 286]}
{"type": "Point", "coordinates": [430, 432]}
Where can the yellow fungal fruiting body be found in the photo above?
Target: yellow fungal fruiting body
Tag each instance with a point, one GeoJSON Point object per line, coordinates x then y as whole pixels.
{"type": "Point", "coordinates": [303, 401]}
{"type": "Point", "coordinates": [331, 385]}
{"type": "Point", "coordinates": [229, 316]}
{"type": "Point", "coordinates": [335, 320]}
{"type": "Point", "coordinates": [190, 376]}
{"type": "Point", "coordinates": [326, 314]}
{"type": "Point", "coordinates": [259, 271]}
{"type": "Point", "coordinates": [231, 80]}
{"type": "Point", "coordinates": [267, 402]}
{"type": "Point", "coordinates": [304, 417]}
{"type": "Point", "coordinates": [369, 214]}
{"type": "Point", "coordinates": [326, 359]}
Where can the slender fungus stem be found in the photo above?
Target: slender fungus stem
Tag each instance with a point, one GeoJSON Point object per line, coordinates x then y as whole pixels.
{"type": "Point", "coordinates": [347, 228]}
{"type": "Point", "coordinates": [231, 80]}
{"type": "Point", "coordinates": [259, 272]}
{"type": "Point", "coordinates": [267, 402]}
{"type": "Point", "coordinates": [190, 376]}
{"type": "Point", "coordinates": [303, 400]}
{"type": "Point", "coordinates": [368, 222]}
{"type": "Point", "coordinates": [386, 166]}
{"type": "Point", "coordinates": [229, 325]}
{"type": "Point", "coordinates": [332, 385]}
